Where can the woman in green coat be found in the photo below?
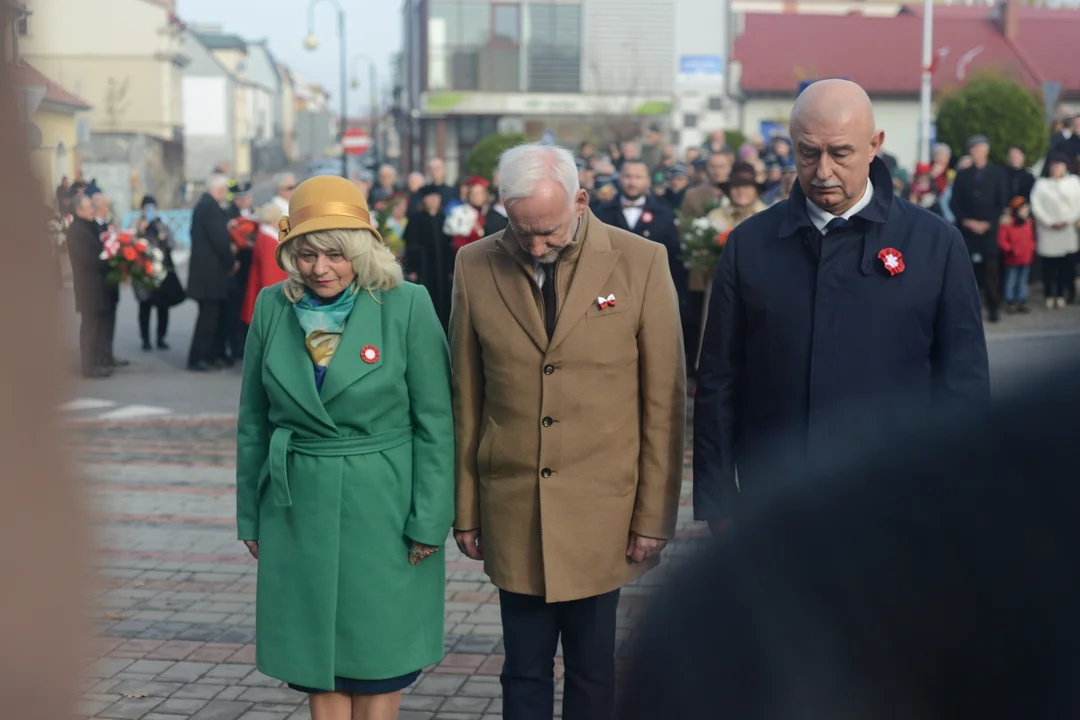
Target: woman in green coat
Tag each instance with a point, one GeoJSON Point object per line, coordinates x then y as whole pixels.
{"type": "Point", "coordinates": [345, 455]}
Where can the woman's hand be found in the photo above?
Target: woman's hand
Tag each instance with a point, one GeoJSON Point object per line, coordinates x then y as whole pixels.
{"type": "Point", "coordinates": [253, 548]}
{"type": "Point", "coordinates": [419, 552]}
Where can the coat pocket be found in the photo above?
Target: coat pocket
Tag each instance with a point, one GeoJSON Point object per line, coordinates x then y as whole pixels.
{"type": "Point", "coordinates": [622, 304]}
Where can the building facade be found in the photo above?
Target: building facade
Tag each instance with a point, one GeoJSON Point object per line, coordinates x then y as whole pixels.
{"type": "Point", "coordinates": [133, 85]}
{"type": "Point", "coordinates": [600, 70]}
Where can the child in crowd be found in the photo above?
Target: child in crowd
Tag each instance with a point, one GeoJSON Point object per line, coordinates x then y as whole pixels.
{"type": "Point", "coordinates": [1016, 238]}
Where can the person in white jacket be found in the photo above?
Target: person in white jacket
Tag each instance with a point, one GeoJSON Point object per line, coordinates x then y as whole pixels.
{"type": "Point", "coordinates": [1055, 203]}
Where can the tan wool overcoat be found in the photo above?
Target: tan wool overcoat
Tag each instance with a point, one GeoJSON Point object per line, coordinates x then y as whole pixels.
{"type": "Point", "coordinates": [566, 446]}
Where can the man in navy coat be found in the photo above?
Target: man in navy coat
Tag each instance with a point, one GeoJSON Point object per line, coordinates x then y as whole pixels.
{"type": "Point", "coordinates": [842, 301]}
{"type": "Point", "coordinates": [642, 213]}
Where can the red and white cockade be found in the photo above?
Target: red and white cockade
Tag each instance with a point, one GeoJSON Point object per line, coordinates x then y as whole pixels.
{"type": "Point", "coordinates": [893, 260]}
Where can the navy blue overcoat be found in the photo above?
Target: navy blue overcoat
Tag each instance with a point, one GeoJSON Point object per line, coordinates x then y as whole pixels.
{"type": "Point", "coordinates": [804, 331]}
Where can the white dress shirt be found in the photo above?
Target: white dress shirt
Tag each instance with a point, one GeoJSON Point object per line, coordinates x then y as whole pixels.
{"type": "Point", "coordinates": [632, 210]}
{"type": "Point", "coordinates": [821, 218]}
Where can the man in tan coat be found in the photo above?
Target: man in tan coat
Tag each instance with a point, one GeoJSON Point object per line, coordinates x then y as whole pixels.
{"type": "Point", "coordinates": [569, 393]}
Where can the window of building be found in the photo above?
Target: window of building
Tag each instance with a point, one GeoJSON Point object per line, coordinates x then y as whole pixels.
{"type": "Point", "coordinates": [716, 103]}
{"type": "Point", "coordinates": [554, 48]}
{"type": "Point", "coordinates": [689, 121]}
{"type": "Point", "coordinates": [480, 45]}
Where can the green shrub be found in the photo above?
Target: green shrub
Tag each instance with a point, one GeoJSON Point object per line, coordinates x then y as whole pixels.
{"type": "Point", "coordinates": [484, 156]}
{"type": "Point", "coordinates": [1004, 111]}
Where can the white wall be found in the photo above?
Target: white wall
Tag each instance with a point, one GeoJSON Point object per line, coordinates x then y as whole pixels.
{"type": "Point", "coordinates": [898, 118]}
{"type": "Point", "coordinates": [70, 27]}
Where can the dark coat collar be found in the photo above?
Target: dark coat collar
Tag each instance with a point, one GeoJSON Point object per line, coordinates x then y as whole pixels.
{"type": "Point", "coordinates": [796, 216]}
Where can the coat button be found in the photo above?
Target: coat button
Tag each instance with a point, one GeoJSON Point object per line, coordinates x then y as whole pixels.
{"type": "Point", "coordinates": [546, 422]}
{"type": "Point", "coordinates": [545, 473]}
{"type": "Point", "coordinates": [549, 369]}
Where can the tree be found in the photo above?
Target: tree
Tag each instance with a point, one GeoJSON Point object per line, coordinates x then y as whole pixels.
{"type": "Point", "coordinates": [1004, 111]}
{"type": "Point", "coordinates": [484, 156]}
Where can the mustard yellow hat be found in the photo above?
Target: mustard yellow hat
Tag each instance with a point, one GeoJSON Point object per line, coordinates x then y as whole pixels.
{"type": "Point", "coordinates": [324, 203]}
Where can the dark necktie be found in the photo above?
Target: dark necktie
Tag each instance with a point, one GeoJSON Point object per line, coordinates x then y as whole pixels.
{"type": "Point", "coordinates": [547, 291]}
{"type": "Point", "coordinates": [836, 224]}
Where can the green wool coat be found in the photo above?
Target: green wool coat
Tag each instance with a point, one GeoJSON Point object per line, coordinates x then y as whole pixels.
{"type": "Point", "coordinates": [334, 485]}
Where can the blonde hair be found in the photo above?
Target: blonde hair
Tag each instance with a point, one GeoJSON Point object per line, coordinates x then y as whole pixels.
{"type": "Point", "coordinates": [270, 213]}
{"type": "Point", "coordinates": [375, 265]}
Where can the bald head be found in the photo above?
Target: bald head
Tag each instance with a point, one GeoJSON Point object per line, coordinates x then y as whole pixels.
{"type": "Point", "coordinates": [833, 102]}
{"type": "Point", "coordinates": [835, 139]}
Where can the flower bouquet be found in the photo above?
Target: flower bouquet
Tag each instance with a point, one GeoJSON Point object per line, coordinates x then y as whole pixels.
{"type": "Point", "coordinates": [703, 239]}
{"type": "Point", "coordinates": [242, 231]}
{"type": "Point", "coordinates": [132, 260]}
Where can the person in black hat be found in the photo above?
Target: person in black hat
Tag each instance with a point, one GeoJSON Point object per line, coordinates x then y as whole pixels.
{"type": "Point", "coordinates": [234, 331]}
{"type": "Point", "coordinates": [429, 258]}
{"type": "Point", "coordinates": [152, 229]}
{"type": "Point", "coordinates": [979, 199]}
{"type": "Point", "coordinates": [678, 180]}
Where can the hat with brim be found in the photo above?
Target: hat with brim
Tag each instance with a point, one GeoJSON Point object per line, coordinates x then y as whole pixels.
{"type": "Point", "coordinates": [977, 140]}
{"type": "Point", "coordinates": [324, 203]}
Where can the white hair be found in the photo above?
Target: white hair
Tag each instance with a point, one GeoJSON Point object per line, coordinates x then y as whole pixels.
{"type": "Point", "coordinates": [524, 167]}
{"type": "Point", "coordinates": [942, 148]}
{"type": "Point", "coordinates": [217, 181]}
{"type": "Point", "coordinates": [282, 179]}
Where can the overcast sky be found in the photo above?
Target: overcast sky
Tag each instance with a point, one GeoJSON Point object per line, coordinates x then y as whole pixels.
{"type": "Point", "coordinates": [374, 29]}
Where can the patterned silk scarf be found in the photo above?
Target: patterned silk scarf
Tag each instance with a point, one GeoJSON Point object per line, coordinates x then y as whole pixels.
{"type": "Point", "coordinates": [323, 323]}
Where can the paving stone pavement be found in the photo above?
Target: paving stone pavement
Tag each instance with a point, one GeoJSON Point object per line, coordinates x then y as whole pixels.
{"type": "Point", "coordinates": [173, 615]}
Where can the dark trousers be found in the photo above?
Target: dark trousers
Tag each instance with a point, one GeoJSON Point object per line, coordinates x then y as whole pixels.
{"type": "Point", "coordinates": [208, 340]}
{"type": "Point", "coordinates": [1058, 277]}
{"type": "Point", "coordinates": [233, 331]}
{"type": "Point", "coordinates": [988, 275]}
{"type": "Point", "coordinates": [110, 334]}
{"type": "Point", "coordinates": [94, 340]}
{"type": "Point", "coordinates": [532, 629]}
{"type": "Point", "coordinates": [145, 308]}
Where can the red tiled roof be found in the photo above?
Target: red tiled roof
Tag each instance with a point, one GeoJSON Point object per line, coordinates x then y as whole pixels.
{"type": "Point", "coordinates": [26, 75]}
{"type": "Point", "coordinates": [884, 54]}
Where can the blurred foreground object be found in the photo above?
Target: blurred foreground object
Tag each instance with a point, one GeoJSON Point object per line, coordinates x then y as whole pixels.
{"type": "Point", "coordinates": [931, 573]}
{"type": "Point", "coordinates": [41, 531]}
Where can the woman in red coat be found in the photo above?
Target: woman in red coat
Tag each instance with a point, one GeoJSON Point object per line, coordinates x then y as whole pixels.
{"type": "Point", "coordinates": [264, 268]}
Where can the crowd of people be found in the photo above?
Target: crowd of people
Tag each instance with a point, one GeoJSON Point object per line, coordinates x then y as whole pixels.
{"type": "Point", "coordinates": [1009, 220]}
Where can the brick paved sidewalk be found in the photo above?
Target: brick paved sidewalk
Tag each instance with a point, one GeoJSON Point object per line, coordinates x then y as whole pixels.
{"type": "Point", "coordinates": [174, 611]}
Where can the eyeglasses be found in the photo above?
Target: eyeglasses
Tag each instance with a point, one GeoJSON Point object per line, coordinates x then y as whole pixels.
{"type": "Point", "coordinates": [289, 187]}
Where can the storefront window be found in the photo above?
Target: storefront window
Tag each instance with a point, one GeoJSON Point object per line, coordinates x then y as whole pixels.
{"type": "Point", "coordinates": [554, 47]}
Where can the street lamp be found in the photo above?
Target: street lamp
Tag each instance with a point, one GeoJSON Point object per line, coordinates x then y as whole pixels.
{"type": "Point", "coordinates": [373, 100]}
{"type": "Point", "coordinates": [311, 42]}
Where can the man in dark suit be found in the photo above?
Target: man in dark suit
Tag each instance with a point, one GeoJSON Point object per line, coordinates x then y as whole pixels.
{"type": "Point", "coordinates": [212, 264]}
{"type": "Point", "coordinates": [843, 297]}
{"type": "Point", "coordinates": [93, 296]}
{"type": "Point", "coordinates": [642, 213]}
{"type": "Point", "coordinates": [979, 197]}
{"type": "Point", "coordinates": [102, 218]}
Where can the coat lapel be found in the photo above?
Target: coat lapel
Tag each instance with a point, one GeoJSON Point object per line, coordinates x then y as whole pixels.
{"type": "Point", "coordinates": [516, 285]}
{"type": "Point", "coordinates": [288, 361]}
{"type": "Point", "coordinates": [594, 267]}
{"type": "Point", "coordinates": [363, 328]}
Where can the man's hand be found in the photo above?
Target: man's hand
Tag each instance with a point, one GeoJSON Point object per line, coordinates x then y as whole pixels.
{"type": "Point", "coordinates": [468, 542]}
{"type": "Point", "coordinates": [253, 548]}
{"type": "Point", "coordinates": [1059, 226]}
{"type": "Point", "coordinates": [641, 548]}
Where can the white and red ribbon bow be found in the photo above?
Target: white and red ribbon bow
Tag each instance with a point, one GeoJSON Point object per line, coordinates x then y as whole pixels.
{"type": "Point", "coordinates": [604, 303]}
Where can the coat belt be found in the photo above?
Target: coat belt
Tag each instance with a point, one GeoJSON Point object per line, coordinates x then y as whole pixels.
{"type": "Point", "coordinates": [283, 442]}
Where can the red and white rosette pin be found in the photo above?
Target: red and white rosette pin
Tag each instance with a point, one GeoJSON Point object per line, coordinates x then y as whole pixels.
{"type": "Point", "coordinates": [646, 217]}
{"type": "Point", "coordinates": [606, 302]}
{"type": "Point", "coordinates": [893, 260]}
{"type": "Point", "coordinates": [370, 354]}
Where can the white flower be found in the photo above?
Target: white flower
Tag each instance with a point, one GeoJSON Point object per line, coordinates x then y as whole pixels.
{"type": "Point", "coordinates": [104, 255]}
{"type": "Point", "coordinates": [461, 220]}
{"type": "Point", "coordinates": [159, 271]}
{"type": "Point", "coordinates": [156, 254]}
{"type": "Point", "coordinates": [701, 224]}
